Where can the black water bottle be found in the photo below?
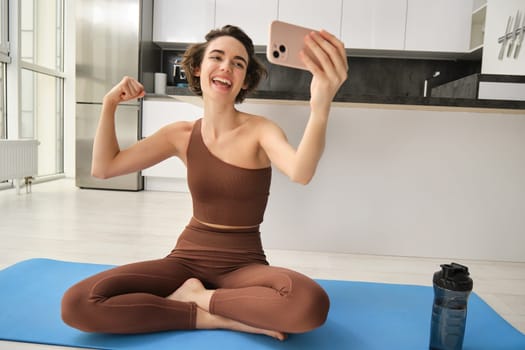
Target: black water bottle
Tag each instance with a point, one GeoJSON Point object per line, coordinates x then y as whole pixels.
{"type": "Point", "coordinates": [452, 287]}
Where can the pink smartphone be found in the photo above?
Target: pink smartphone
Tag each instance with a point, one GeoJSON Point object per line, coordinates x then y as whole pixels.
{"type": "Point", "coordinates": [286, 40]}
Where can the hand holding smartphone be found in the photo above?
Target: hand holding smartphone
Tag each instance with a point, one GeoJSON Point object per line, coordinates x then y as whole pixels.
{"type": "Point", "coordinates": [285, 42]}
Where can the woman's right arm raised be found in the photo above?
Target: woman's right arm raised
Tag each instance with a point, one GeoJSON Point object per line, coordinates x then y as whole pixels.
{"type": "Point", "coordinates": [108, 160]}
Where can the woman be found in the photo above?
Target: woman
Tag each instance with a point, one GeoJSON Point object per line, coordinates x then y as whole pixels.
{"type": "Point", "coordinates": [217, 276]}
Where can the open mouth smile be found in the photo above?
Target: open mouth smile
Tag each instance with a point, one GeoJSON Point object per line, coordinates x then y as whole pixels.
{"type": "Point", "coordinates": [222, 81]}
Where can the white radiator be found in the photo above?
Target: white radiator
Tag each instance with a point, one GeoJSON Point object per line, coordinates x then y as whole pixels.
{"type": "Point", "coordinates": [18, 159]}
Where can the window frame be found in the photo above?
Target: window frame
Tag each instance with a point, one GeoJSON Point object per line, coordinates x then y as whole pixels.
{"type": "Point", "coordinates": [5, 59]}
{"type": "Point", "coordinates": [4, 32]}
{"type": "Point", "coordinates": [57, 73]}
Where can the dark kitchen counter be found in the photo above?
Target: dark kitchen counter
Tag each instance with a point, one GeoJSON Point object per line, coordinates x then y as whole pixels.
{"type": "Point", "coordinates": [380, 100]}
{"type": "Point", "coordinates": [379, 81]}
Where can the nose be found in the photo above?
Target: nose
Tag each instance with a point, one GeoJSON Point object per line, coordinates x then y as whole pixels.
{"type": "Point", "coordinates": [226, 65]}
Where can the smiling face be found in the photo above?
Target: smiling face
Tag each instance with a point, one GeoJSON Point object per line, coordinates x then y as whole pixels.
{"type": "Point", "coordinates": [234, 43]}
{"type": "Point", "coordinates": [223, 68]}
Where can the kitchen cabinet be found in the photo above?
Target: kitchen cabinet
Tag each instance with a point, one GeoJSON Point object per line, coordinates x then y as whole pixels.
{"type": "Point", "coordinates": [253, 16]}
{"type": "Point", "coordinates": [439, 26]}
{"type": "Point", "coordinates": [501, 91]}
{"type": "Point", "coordinates": [155, 115]}
{"type": "Point", "coordinates": [409, 26]}
{"type": "Point", "coordinates": [477, 31]}
{"type": "Point", "coordinates": [408, 150]}
{"type": "Point", "coordinates": [499, 58]}
{"type": "Point", "coordinates": [374, 24]}
{"type": "Point", "coordinates": [313, 14]}
{"type": "Point", "coordinates": [178, 21]}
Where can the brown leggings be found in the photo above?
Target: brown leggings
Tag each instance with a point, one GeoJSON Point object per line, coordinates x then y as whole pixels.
{"type": "Point", "coordinates": [132, 298]}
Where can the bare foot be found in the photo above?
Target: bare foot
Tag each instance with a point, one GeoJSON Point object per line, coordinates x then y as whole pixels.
{"type": "Point", "coordinates": [193, 291]}
{"type": "Point", "coordinates": [205, 320]}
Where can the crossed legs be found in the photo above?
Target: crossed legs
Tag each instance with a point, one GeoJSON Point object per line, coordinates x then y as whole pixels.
{"type": "Point", "coordinates": [163, 295]}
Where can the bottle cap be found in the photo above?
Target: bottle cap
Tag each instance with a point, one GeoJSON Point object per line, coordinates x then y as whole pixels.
{"type": "Point", "coordinates": [453, 277]}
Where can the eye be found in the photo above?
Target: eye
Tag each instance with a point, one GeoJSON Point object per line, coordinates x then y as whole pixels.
{"type": "Point", "coordinates": [215, 58]}
{"type": "Point", "coordinates": [239, 65]}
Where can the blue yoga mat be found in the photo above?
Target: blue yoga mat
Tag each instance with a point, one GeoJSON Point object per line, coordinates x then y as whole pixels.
{"type": "Point", "coordinates": [362, 316]}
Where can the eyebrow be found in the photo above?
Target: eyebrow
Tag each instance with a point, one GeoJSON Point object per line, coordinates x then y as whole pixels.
{"type": "Point", "coordinates": [236, 57]}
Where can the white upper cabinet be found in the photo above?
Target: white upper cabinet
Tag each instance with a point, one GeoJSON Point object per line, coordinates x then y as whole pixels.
{"type": "Point", "coordinates": [374, 24]}
{"type": "Point", "coordinates": [313, 14]}
{"type": "Point", "coordinates": [182, 21]}
{"type": "Point", "coordinates": [441, 26]}
{"type": "Point", "coordinates": [252, 16]}
{"type": "Point", "coordinates": [504, 58]}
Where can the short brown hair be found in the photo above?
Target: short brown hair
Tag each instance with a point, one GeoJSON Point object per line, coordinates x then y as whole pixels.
{"type": "Point", "coordinates": [195, 53]}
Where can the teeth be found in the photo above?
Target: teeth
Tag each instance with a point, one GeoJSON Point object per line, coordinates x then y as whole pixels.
{"type": "Point", "coordinates": [222, 81]}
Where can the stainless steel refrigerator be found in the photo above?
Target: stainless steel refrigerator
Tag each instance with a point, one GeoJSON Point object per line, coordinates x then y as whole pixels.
{"type": "Point", "coordinates": [113, 39]}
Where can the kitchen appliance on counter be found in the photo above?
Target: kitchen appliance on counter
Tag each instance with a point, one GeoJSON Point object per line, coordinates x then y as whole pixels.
{"type": "Point", "coordinates": [113, 40]}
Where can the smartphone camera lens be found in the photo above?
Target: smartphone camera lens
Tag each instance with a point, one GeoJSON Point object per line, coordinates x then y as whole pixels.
{"type": "Point", "coordinates": [282, 48]}
{"type": "Point", "coordinates": [276, 54]}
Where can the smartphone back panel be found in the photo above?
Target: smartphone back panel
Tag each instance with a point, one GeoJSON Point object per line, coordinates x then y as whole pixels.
{"type": "Point", "coordinates": [284, 44]}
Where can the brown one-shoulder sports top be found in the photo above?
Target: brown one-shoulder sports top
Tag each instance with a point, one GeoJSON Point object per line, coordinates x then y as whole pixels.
{"type": "Point", "coordinates": [222, 193]}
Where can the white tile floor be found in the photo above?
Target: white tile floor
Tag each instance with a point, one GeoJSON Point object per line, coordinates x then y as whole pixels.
{"type": "Point", "coordinates": [59, 221]}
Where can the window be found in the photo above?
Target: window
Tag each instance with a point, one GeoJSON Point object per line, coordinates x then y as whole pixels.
{"type": "Point", "coordinates": [3, 115]}
{"type": "Point", "coordinates": [4, 59]}
{"type": "Point", "coordinates": [42, 80]}
{"type": "Point", "coordinates": [41, 33]}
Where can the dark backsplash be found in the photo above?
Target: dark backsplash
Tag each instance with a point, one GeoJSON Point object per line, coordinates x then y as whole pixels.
{"type": "Point", "coordinates": [386, 77]}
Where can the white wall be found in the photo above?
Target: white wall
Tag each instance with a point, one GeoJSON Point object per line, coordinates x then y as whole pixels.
{"type": "Point", "coordinates": [498, 12]}
{"type": "Point", "coordinates": [444, 184]}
